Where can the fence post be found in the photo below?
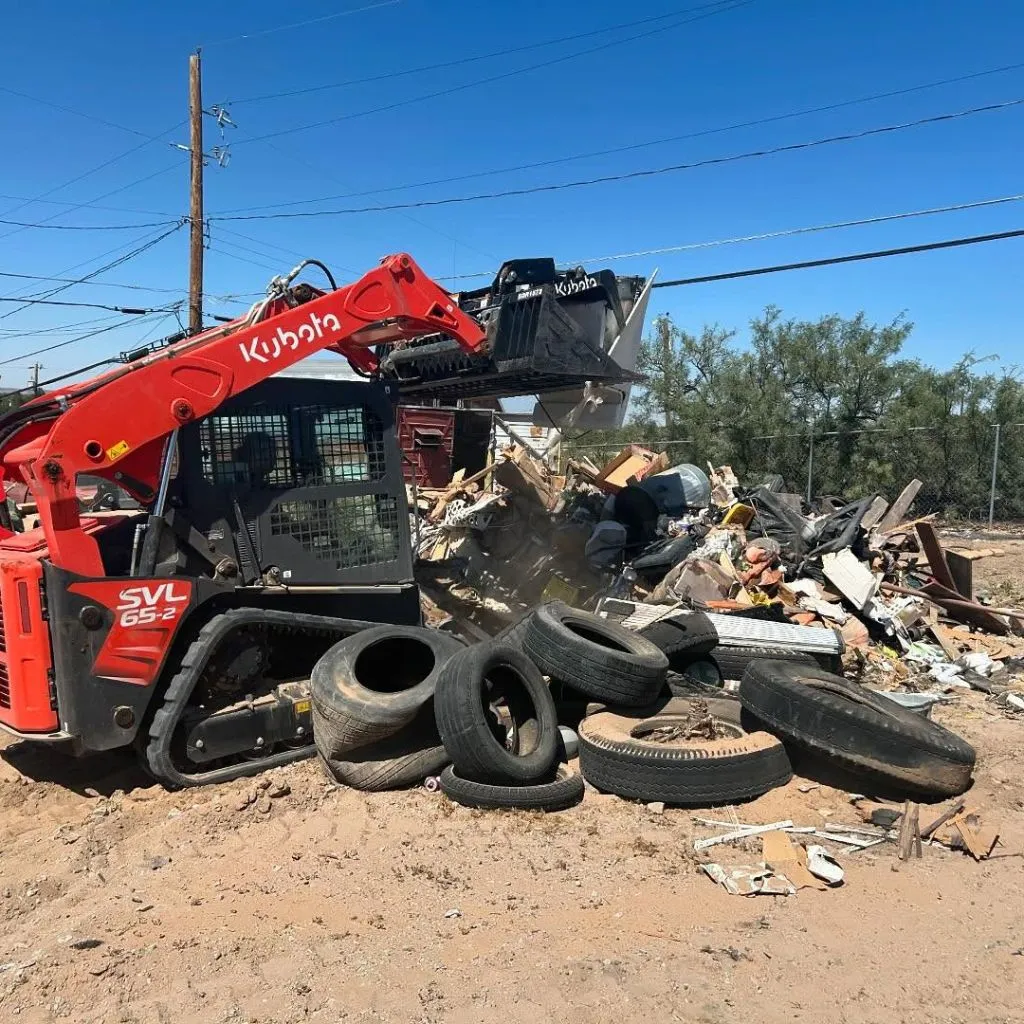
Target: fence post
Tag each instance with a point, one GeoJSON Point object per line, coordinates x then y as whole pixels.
{"type": "Point", "coordinates": [810, 463]}
{"type": "Point", "coordinates": [995, 470]}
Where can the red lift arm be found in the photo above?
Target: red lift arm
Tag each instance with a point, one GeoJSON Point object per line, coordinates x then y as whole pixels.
{"type": "Point", "coordinates": [116, 425]}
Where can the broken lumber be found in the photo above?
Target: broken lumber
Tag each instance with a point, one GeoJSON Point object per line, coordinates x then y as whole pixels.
{"type": "Point", "coordinates": [937, 563]}
{"type": "Point", "coordinates": [962, 571]}
{"type": "Point", "coordinates": [874, 513]}
{"type": "Point", "coordinates": [900, 506]}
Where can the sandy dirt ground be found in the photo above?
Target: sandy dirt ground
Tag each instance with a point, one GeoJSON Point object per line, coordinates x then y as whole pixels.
{"type": "Point", "coordinates": [290, 899]}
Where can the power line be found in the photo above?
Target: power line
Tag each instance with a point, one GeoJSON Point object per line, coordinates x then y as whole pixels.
{"type": "Point", "coordinates": [76, 113]}
{"type": "Point", "coordinates": [42, 225]}
{"type": "Point", "coordinates": [631, 175]}
{"type": "Point", "coordinates": [835, 260]}
{"type": "Point", "coordinates": [573, 158]}
{"type": "Point", "coordinates": [721, 6]}
{"type": "Point", "coordinates": [130, 310]}
{"type": "Point", "coordinates": [90, 206]}
{"type": "Point", "coordinates": [118, 261]}
{"type": "Point", "coordinates": [93, 170]}
{"type": "Point", "coordinates": [461, 61]}
{"type": "Point", "coordinates": [309, 21]}
{"type": "Point", "coordinates": [765, 235]}
{"type": "Point", "coordinates": [863, 221]}
{"type": "Point", "coordinates": [64, 344]}
{"type": "Point", "coordinates": [96, 284]}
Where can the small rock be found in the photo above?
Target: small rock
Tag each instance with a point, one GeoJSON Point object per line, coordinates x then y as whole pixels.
{"type": "Point", "coordinates": [143, 907]}
{"type": "Point", "coordinates": [31, 892]}
{"type": "Point", "coordinates": [98, 970]}
{"type": "Point", "coordinates": [156, 863]}
{"type": "Point", "coordinates": [263, 805]}
{"type": "Point", "coordinates": [86, 943]}
{"type": "Point", "coordinates": [809, 787]}
{"type": "Point", "coordinates": [454, 912]}
{"type": "Point", "coordinates": [656, 807]}
{"type": "Point", "coordinates": [89, 791]}
{"type": "Point", "coordinates": [263, 784]}
{"type": "Point", "coordinates": [279, 789]}
{"type": "Point", "coordinates": [246, 799]}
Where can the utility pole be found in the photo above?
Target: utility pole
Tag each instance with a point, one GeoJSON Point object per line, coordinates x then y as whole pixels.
{"type": "Point", "coordinates": [36, 367]}
{"type": "Point", "coordinates": [195, 261]}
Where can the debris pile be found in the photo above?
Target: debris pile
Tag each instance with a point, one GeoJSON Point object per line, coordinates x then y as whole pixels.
{"type": "Point", "coordinates": [636, 538]}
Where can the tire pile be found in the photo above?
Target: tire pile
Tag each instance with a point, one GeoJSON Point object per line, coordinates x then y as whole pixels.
{"type": "Point", "coordinates": [395, 705]}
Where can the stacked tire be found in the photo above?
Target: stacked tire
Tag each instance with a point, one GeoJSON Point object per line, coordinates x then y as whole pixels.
{"type": "Point", "coordinates": [498, 722]}
{"type": "Point", "coordinates": [621, 744]}
{"type": "Point", "coordinates": [373, 706]}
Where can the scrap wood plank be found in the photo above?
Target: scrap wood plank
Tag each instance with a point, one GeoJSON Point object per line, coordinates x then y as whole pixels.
{"type": "Point", "coordinates": [900, 506]}
{"type": "Point", "coordinates": [937, 563]}
{"type": "Point", "coordinates": [962, 571]}
{"type": "Point", "coordinates": [973, 554]}
{"type": "Point", "coordinates": [874, 513]}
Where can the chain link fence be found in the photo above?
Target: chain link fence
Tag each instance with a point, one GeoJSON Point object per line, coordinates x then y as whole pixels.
{"type": "Point", "coordinates": [971, 472]}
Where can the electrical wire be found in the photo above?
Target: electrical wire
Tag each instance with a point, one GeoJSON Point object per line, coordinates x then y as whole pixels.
{"type": "Point", "coordinates": [118, 261]}
{"type": "Point", "coordinates": [93, 170]}
{"type": "Point", "coordinates": [573, 158]}
{"type": "Point", "coordinates": [96, 284]}
{"type": "Point", "coordinates": [277, 248]}
{"type": "Point", "coordinates": [783, 233]}
{"type": "Point", "coordinates": [303, 24]}
{"type": "Point", "coordinates": [76, 113]}
{"type": "Point", "coordinates": [644, 173]}
{"type": "Point", "coordinates": [42, 225]}
{"type": "Point", "coordinates": [461, 61]}
{"type": "Point", "coordinates": [836, 260]}
{"type": "Point", "coordinates": [64, 344]}
{"type": "Point", "coordinates": [131, 310]}
{"type": "Point", "coordinates": [727, 5]}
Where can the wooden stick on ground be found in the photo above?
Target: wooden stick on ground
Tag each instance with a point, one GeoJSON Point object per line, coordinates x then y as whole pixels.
{"type": "Point", "coordinates": [910, 833]}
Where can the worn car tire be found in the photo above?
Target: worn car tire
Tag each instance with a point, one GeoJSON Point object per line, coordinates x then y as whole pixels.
{"type": "Point", "coordinates": [739, 766]}
{"type": "Point", "coordinates": [469, 686]}
{"type": "Point", "coordinates": [514, 634]}
{"type": "Point", "coordinates": [733, 661]}
{"type": "Point", "coordinates": [861, 731]}
{"type": "Point", "coordinates": [562, 792]}
{"type": "Point", "coordinates": [682, 637]}
{"type": "Point", "coordinates": [373, 683]}
{"type": "Point", "coordinates": [595, 656]}
{"type": "Point", "coordinates": [404, 759]}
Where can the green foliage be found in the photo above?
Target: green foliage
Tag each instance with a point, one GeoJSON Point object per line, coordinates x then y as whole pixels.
{"type": "Point", "coordinates": [876, 418]}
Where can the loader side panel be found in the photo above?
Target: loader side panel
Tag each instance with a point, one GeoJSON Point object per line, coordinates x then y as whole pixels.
{"type": "Point", "coordinates": [26, 698]}
{"type": "Point", "coordinates": [111, 639]}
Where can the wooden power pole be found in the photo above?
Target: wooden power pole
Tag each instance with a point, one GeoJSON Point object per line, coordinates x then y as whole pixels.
{"type": "Point", "coordinates": [36, 367]}
{"type": "Point", "coordinates": [195, 262]}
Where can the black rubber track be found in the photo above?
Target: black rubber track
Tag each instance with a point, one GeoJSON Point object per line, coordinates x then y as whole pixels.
{"type": "Point", "coordinates": [564, 791]}
{"type": "Point", "coordinates": [700, 773]}
{"type": "Point", "coordinates": [372, 684]}
{"type": "Point", "coordinates": [682, 637]}
{"type": "Point", "coordinates": [733, 661]}
{"type": "Point", "coordinates": [595, 656]}
{"type": "Point", "coordinates": [156, 755]}
{"type": "Point", "coordinates": [469, 684]}
{"type": "Point", "coordinates": [405, 759]}
{"type": "Point", "coordinates": [861, 731]}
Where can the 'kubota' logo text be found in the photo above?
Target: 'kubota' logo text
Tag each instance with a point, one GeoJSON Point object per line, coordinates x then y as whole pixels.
{"type": "Point", "coordinates": [141, 606]}
{"type": "Point", "coordinates": [260, 351]}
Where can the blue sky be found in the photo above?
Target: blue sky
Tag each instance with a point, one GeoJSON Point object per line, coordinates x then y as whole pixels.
{"type": "Point", "coordinates": [127, 63]}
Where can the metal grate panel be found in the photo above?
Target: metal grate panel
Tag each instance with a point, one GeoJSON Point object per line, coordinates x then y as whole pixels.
{"type": "Point", "coordinates": [269, 448]}
{"type": "Point", "coordinates": [361, 529]}
{"type": "Point", "coordinates": [5, 687]}
{"type": "Point", "coordinates": [3, 631]}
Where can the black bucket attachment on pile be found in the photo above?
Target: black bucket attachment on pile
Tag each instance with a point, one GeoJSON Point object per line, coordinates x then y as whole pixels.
{"type": "Point", "coordinates": [546, 330]}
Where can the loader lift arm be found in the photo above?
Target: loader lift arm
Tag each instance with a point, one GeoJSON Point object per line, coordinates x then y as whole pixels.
{"type": "Point", "coordinates": [117, 425]}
